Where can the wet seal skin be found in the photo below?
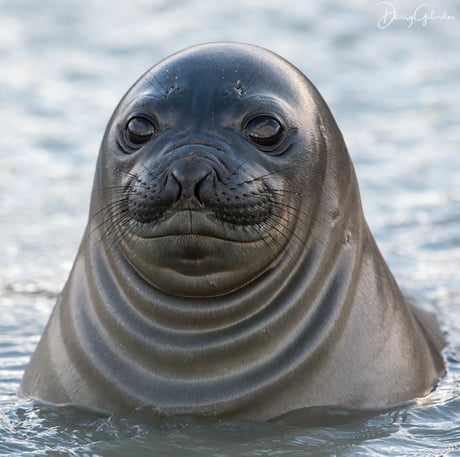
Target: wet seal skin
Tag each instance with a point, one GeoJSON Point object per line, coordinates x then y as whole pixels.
{"type": "Point", "coordinates": [227, 267]}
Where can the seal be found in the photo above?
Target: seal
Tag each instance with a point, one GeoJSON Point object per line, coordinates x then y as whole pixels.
{"type": "Point", "coordinates": [227, 267]}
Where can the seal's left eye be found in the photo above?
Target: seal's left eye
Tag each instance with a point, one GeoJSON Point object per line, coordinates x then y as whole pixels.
{"type": "Point", "coordinates": [139, 130]}
{"type": "Point", "coordinates": [265, 131]}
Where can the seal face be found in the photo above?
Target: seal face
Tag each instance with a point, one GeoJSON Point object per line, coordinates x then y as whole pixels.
{"type": "Point", "coordinates": [226, 258]}
{"type": "Point", "coordinates": [206, 203]}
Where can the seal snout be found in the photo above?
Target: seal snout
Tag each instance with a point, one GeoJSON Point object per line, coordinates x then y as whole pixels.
{"type": "Point", "coordinates": [214, 188]}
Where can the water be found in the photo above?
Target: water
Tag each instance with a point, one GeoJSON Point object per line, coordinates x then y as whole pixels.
{"type": "Point", "coordinates": [395, 93]}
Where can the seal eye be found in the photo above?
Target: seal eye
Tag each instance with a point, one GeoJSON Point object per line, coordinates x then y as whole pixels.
{"type": "Point", "coordinates": [139, 130]}
{"type": "Point", "coordinates": [265, 131]}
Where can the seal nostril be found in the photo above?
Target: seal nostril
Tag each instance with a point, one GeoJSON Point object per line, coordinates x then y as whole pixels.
{"type": "Point", "coordinates": [197, 191]}
{"type": "Point", "coordinates": [179, 187]}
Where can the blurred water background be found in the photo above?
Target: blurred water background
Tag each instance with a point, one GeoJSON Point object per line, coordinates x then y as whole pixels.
{"type": "Point", "coordinates": [394, 87]}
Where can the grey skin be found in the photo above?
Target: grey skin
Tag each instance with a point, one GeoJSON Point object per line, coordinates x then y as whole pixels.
{"type": "Point", "coordinates": [227, 267]}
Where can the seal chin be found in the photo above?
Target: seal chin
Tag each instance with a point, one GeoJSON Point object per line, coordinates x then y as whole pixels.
{"type": "Point", "coordinates": [191, 255]}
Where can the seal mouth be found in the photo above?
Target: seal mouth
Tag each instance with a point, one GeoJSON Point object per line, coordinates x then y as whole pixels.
{"type": "Point", "coordinates": [195, 224]}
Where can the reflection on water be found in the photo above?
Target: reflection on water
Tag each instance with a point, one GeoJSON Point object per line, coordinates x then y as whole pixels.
{"type": "Point", "coordinates": [395, 94]}
{"type": "Point", "coordinates": [68, 431]}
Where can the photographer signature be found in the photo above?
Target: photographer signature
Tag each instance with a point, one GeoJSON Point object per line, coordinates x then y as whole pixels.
{"type": "Point", "coordinates": [422, 14]}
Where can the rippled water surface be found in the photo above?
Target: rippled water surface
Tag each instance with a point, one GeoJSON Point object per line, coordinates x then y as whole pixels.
{"type": "Point", "coordinates": [396, 95]}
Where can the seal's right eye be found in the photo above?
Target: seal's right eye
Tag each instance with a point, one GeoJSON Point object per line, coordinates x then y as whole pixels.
{"type": "Point", "coordinates": [139, 130]}
{"type": "Point", "coordinates": [265, 131]}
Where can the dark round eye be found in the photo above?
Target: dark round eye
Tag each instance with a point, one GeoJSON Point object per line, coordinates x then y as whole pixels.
{"type": "Point", "coordinates": [139, 130]}
{"type": "Point", "coordinates": [265, 131]}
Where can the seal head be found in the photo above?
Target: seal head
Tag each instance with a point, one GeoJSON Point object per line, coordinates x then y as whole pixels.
{"type": "Point", "coordinates": [203, 164]}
